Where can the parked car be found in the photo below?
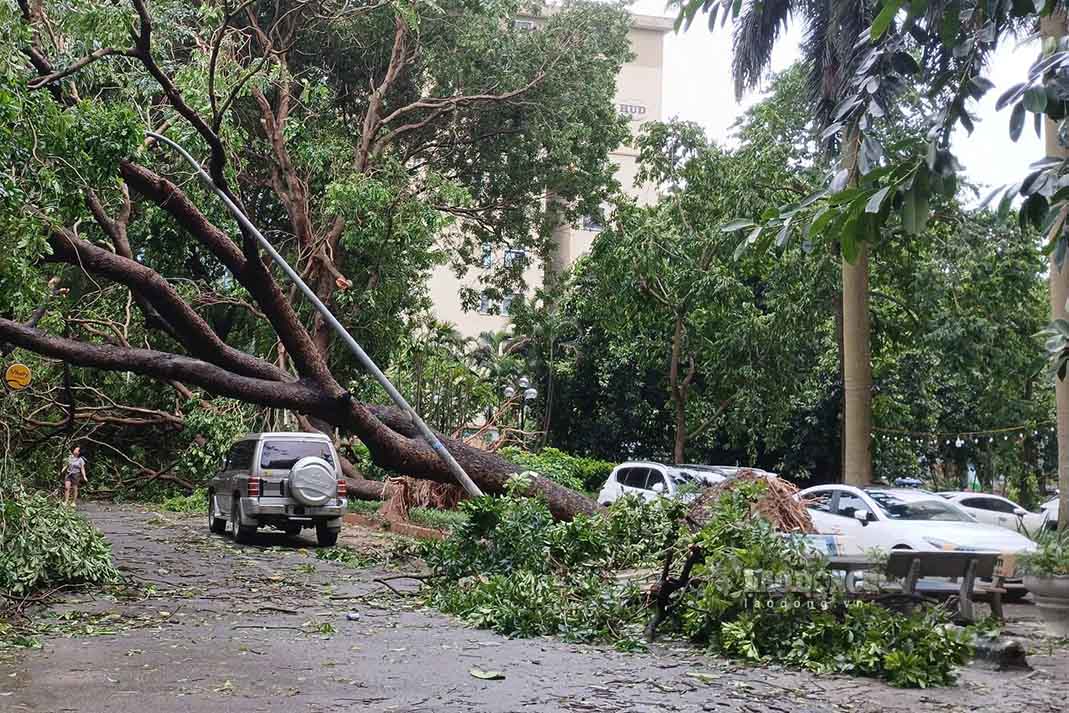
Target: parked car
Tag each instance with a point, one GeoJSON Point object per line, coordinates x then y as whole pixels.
{"type": "Point", "coordinates": [649, 480]}
{"type": "Point", "coordinates": [997, 510]}
{"type": "Point", "coordinates": [288, 481]}
{"type": "Point", "coordinates": [901, 518]}
{"type": "Point", "coordinates": [907, 519]}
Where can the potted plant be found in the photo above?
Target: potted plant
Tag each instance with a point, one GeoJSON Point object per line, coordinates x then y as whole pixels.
{"type": "Point", "coordinates": [1046, 575]}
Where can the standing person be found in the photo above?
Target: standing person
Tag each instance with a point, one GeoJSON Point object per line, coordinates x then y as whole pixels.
{"type": "Point", "coordinates": [75, 474]}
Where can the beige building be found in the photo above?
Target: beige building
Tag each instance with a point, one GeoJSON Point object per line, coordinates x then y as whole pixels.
{"type": "Point", "coordinates": [638, 96]}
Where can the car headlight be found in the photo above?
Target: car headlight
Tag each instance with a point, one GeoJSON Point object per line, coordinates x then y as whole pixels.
{"type": "Point", "coordinates": [948, 546]}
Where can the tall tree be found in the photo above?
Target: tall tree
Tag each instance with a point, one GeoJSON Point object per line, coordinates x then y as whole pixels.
{"type": "Point", "coordinates": [831, 53]}
{"type": "Point", "coordinates": [354, 134]}
{"type": "Point", "coordinates": [1052, 30]}
{"type": "Point", "coordinates": [668, 311]}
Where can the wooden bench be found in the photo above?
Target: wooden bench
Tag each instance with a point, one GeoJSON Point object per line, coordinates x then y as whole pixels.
{"type": "Point", "coordinates": [910, 566]}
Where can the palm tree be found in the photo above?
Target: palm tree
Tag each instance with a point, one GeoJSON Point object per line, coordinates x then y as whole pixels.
{"type": "Point", "coordinates": [540, 325]}
{"type": "Point", "coordinates": [1055, 27]}
{"type": "Point", "coordinates": [830, 51]}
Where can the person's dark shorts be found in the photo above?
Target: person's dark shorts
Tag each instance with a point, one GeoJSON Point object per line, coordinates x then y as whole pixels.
{"type": "Point", "coordinates": [72, 478]}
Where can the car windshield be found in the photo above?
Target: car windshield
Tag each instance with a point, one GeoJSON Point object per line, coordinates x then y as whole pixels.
{"type": "Point", "coordinates": [281, 455]}
{"type": "Point", "coordinates": [898, 509]}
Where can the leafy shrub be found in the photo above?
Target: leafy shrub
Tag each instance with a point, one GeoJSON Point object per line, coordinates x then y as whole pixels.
{"type": "Point", "coordinates": [575, 472]}
{"type": "Point", "coordinates": [44, 543]}
{"type": "Point", "coordinates": [1051, 558]}
{"type": "Point", "coordinates": [194, 502]}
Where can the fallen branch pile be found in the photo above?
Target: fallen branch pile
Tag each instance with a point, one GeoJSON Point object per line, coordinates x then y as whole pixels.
{"type": "Point", "coordinates": [777, 504]}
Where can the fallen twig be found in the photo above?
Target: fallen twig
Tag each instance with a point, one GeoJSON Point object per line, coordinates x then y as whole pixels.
{"type": "Point", "coordinates": [385, 582]}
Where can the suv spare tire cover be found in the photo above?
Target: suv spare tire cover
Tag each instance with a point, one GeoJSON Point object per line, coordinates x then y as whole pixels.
{"type": "Point", "coordinates": [313, 481]}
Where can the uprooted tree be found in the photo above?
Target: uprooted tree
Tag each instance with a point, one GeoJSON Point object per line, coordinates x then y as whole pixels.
{"type": "Point", "coordinates": [370, 141]}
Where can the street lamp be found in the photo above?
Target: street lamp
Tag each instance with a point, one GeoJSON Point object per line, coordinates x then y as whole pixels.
{"type": "Point", "coordinates": [528, 392]}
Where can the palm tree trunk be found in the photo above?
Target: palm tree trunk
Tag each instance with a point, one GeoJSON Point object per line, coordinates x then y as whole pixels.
{"type": "Point", "coordinates": [857, 360]}
{"type": "Point", "coordinates": [1054, 26]}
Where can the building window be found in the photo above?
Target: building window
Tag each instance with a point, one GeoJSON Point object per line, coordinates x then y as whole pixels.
{"type": "Point", "coordinates": [512, 257]}
{"type": "Point", "coordinates": [592, 224]}
{"type": "Point", "coordinates": [506, 303]}
{"type": "Point", "coordinates": [484, 304]}
{"type": "Point", "coordinates": [488, 257]}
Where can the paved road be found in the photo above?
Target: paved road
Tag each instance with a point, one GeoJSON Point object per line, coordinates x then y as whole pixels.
{"type": "Point", "coordinates": [264, 628]}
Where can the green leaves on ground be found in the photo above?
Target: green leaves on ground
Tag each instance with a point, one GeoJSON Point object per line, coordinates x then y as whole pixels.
{"type": "Point", "coordinates": [194, 502]}
{"type": "Point", "coordinates": [44, 543]}
{"type": "Point", "coordinates": [738, 605]}
{"type": "Point", "coordinates": [511, 569]}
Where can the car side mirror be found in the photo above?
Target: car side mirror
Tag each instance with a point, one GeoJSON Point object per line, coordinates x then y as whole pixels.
{"type": "Point", "coordinates": [658, 487]}
{"type": "Point", "coordinates": [1020, 512]}
{"type": "Point", "coordinates": [862, 516]}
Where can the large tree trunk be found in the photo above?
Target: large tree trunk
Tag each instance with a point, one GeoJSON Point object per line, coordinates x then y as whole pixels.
{"type": "Point", "coordinates": [857, 361]}
{"type": "Point", "coordinates": [489, 471]}
{"type": "Point", "coordinates": [841, 422]}
{"type": "Point", "coordinates": [679, 388]}
{"type": "Point", "coordinates": [1054, 26]}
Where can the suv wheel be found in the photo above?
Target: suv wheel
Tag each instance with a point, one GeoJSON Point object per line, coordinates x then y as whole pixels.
{"type": "Point", "coordinates": [242, 534]}
{"type": "Point", "coordinates": [325, 536]}
{"type": "Point", "coordinates": [215, 523]}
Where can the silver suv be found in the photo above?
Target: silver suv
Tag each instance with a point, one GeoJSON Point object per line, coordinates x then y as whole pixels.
{"type": "Point", "coordinates": [288, 481]}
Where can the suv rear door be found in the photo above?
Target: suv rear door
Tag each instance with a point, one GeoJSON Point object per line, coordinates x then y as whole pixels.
{"type": "Point", "coordinates": [277, 456]}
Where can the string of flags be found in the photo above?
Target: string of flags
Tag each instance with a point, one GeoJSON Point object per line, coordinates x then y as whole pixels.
{"type": "Point", "coordinates": [960, 439]}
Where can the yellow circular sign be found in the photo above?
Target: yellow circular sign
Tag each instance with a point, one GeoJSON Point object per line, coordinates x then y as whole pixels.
{"type": "Point", "coordinates": [18, 377]}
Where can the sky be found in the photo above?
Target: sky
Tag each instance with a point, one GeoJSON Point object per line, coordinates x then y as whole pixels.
{"type": "Point", "coordinates": [698, 87]}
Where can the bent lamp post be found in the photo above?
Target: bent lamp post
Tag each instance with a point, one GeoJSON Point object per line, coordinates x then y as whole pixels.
{"type": "Point", "coordinates": [455, 468]}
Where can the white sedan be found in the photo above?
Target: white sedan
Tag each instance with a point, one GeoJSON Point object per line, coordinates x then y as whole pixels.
{"type": "Point", "coordinates": [996, 510]}
{"type": "Point", "coordinates": [893, 519]}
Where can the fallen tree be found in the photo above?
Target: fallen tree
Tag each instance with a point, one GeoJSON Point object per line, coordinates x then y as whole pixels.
{"type": "Point", "coordinates": [400, 166]}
